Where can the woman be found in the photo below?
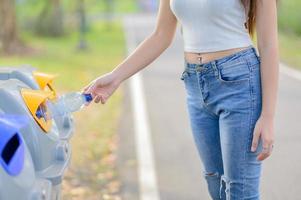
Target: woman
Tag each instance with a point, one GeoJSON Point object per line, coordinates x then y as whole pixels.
{"type": "Point", "coordinates": [231, 91]}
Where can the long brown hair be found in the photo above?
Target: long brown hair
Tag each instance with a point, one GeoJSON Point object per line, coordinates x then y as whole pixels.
{"type": "Point", "coordinates": [251, 7]}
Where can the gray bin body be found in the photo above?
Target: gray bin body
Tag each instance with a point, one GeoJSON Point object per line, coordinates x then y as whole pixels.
{"type": "Point", "coordinates": [47, 155]}
{"type": "Point", "coordinates": [26, 185]}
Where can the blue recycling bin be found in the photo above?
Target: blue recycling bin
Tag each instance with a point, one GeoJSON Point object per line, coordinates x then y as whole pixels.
{"type": "Point", "coordinates": [18, 179]}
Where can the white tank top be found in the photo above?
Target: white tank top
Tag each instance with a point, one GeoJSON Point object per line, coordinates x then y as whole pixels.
{"type": "Point", "coordinates": [211, 25]}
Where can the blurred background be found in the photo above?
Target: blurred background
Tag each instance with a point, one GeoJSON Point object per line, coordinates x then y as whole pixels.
{"type": "Point", "coordinates": [77, 39]}
{"type": "Point", "coordinates": [80, 39]}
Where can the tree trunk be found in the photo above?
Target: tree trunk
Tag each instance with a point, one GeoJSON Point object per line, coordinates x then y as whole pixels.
{"type": "Point", "coordinates": [82, 43]}
{"type": "Point", "coordinates": [50, 21]}
{"type": "Point", "coordinates": [9, 41]}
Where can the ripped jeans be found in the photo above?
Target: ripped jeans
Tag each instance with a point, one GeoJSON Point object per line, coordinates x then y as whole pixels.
{"type": "Point", "coordinates": [224, 101]}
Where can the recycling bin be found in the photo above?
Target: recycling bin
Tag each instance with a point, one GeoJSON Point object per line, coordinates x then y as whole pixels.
{"type": "Point", "coordinates": [47, 152]}
{"type": "Point", "coordinates": [40, 81]}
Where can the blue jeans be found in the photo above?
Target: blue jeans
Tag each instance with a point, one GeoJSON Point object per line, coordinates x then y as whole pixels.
{"type": "Point", "coordinates": [224, 101]}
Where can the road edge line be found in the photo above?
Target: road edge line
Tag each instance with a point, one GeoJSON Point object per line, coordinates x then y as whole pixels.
{"type": "Point", "coordinates": [144, 150]}
{"type": "Point", "coordinates": [289, 71]}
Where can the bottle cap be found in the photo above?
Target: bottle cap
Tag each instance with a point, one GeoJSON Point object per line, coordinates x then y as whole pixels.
{"type": "Point", "coordinates": [88, 97]}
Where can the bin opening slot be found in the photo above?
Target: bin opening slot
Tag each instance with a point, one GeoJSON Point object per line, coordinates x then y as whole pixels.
{"type": "Point", "coordinates": [42, 112]}
{"type": "Point", "coordinates": [36, 102]}
{"type": "Point", "coordinates": [10, 149]}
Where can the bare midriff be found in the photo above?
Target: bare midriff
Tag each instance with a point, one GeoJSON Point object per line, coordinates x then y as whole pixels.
{"type": "Point", "coordinates": [200, 58]}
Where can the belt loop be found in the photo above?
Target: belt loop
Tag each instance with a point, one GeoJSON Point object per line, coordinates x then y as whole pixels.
{"type": "Point", "coordinates": [255, 52]}
{"type": "Point", "coordinates": [254, 49]}
{"type": "Point", "coordinates": [215, 68]}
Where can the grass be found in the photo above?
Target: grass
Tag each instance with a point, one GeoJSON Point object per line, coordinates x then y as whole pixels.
{"type": "Point", "coordinates": [92, 171]}
{"type": "Point", "coordinates": [290, 49]}
{"type": "Point", "coordinates": [289, 18]}
{"type": "Point", "coordinates": [289, 32]}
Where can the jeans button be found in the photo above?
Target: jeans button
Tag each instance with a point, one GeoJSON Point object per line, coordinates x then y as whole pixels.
{"type": "Point", "coordinates": [200, 68]}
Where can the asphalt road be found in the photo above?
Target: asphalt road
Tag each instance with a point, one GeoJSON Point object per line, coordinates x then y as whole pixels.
{"type": "Point", "coordinates": [177, 165]}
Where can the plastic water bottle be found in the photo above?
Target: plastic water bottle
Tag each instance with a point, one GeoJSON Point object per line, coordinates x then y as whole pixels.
{"type": "Point", "coordinates": [72, 102]}
{"type": "Point", "coordinates": [66, 104]}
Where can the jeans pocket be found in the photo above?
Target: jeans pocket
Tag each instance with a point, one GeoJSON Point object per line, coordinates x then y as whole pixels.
{"type": "Point", "coordinates": [234, 72]}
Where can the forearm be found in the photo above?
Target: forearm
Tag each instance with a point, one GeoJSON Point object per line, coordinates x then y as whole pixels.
{"type": "Point", "coordinates": [143, 55]}
{"type": "Point", "coordinates": [269, 79]}
{"type": "Point", "coordinates": [267, 40]}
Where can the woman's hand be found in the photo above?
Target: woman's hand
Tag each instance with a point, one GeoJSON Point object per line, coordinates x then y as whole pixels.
{"type": "Point", "coordinates": [264, 130]}
{"type": "Point", "coordinates": [102, 87]}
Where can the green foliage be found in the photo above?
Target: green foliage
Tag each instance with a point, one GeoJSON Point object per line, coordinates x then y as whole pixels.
{"type": "Point", "coordinates": [290, 16]}
{"type": "Point", "coordinates": [47, 20]}
{"type": "Point", "coordinates": [59, 55]}
{"type": "Point", "coordinates": [29, 9]}
{"type": "Point", "coordinates": [289, 20]}
{"type": "Point", "coordinates": [290, 49]}
{"type": "Point", "coordinates": [50, 21]}
{"type": "Point", "coordinates": [101, 6]}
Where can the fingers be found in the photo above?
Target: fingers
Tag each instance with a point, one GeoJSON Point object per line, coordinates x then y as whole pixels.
{"type": "Point", "coordinates": [97, 99]}
{"type": "Point", "coordinates": [103, 100]}
{"type": "Point", "coordinates": [255, 140]}
{"type": "Point", "coordinates": [267, 147]}
{"type": "Point", "coordinates": [263, 156]}
{"type": "Point", "coordinates": [89, 90]}
{"type": "Point", "coordinates": [266, 152]}
{"type": "Point", "coordinates": [100, 89]}
{"type": "Point", "coordinates": [100, 98]}
{"type": "Point", "coordinates": [86, 88]}
{"type": "Point", "coordinates": [92, 89]}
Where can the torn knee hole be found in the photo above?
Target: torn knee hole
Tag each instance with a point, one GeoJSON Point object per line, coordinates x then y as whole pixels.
{"type": "Point", "coordinates": [224, 185]}
{"type": "Point", "coordinates": [225, 179]}
{"type": "Point", "coordinates": [227, 183]}
{"type": "Point", "coordinates": [211, 174]}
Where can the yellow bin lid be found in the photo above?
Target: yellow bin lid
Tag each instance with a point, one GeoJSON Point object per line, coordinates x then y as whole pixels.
{"type": "Point", "coordinates": [33, 100]}
{"type": "Point", "coordinates": [45, 82]}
